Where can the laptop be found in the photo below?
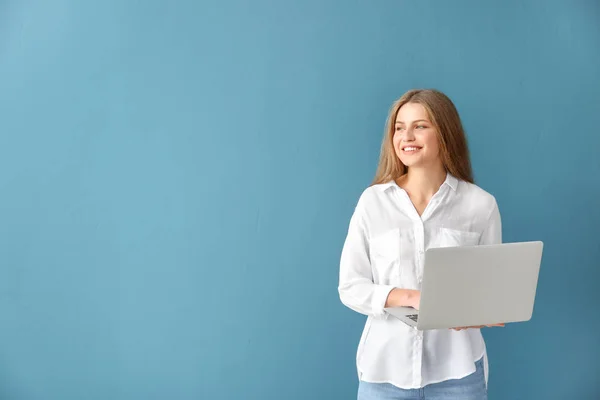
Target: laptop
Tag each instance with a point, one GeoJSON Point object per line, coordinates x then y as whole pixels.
{"type": "Point", "coordinates": [476, 285]}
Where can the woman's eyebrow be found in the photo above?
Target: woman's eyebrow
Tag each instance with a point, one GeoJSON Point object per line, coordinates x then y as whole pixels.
{"type": "Point", "coordinates": [419, 120]}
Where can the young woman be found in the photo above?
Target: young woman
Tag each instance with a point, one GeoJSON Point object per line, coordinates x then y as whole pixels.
{"type": "Point", "coordinates": [422, 196]}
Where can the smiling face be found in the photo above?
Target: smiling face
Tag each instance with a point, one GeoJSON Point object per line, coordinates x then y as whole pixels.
{"type": "Point", "coordinates": [415, 137]}
{"type": "Point", "coordinates": [427, 122]}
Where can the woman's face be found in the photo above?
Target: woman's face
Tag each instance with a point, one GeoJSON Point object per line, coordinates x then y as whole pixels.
{"type": "Point", "coordinates": [415, 138]}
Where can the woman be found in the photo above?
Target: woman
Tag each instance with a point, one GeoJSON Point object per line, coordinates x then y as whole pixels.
{"type": "Point", "coordinates": [422, 196]}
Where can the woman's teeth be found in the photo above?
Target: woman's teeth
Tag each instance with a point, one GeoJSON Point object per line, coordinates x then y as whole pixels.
{"type": "Point", "coordinates": [410, 149]}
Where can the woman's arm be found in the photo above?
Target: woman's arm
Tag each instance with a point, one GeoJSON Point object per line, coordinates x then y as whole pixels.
{"type": "Point", "coordinates": [492, 234]}
{"type": "Point", "coordinates": [356, 288]}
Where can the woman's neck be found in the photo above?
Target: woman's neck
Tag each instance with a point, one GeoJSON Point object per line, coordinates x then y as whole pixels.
{"type": "Point", "coordinates": [423, 183]}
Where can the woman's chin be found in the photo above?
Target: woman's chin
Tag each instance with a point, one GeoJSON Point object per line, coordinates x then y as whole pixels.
{"type": "Point", "coordinates": [411, 162]}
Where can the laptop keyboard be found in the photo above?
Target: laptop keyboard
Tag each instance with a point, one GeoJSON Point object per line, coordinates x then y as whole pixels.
{"type": "Point", "coordinates": [414, 317]}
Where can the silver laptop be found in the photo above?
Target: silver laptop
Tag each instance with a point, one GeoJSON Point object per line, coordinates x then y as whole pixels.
{"type": "Point", "coordinates": [476, 285]}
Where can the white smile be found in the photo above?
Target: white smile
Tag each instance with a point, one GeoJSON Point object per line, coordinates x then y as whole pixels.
{"type": "Point", "coordinates": [411, 149]}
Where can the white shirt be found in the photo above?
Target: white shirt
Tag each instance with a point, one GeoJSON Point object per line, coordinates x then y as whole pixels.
{"type": "Point", "coordinates": [383, 250]}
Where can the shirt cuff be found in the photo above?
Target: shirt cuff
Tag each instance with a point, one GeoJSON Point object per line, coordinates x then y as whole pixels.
{"type": "Point", "coordinates": [379, 298]}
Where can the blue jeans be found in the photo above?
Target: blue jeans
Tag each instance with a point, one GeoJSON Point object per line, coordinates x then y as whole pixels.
{"type": "Point", "coordinates": [471, 387]}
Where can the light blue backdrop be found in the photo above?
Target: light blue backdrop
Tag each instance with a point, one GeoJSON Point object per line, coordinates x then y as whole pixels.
{"type": "Point", "coordinates": [176, 179]}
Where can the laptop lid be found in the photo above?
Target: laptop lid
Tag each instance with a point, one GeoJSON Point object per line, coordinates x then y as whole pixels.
{"type": "Point", "coordinates": [479, 285]}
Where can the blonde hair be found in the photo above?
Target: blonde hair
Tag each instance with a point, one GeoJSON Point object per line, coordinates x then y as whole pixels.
{"type": "Point", "coordinates": [454, 150]}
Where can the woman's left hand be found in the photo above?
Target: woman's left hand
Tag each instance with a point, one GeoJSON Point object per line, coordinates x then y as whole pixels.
{"type": "Point", "coordinates": [477, 327]}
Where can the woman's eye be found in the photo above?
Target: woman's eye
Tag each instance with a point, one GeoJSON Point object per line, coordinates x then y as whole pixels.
{"type": "Point", "coordinates": [421, 126]}
{"type": "Point", "coordinates": [399, 128]}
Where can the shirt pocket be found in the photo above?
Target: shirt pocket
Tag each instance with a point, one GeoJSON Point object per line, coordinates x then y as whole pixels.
{"type": "Point", "coordinates": [447, 237]}
{"type": "Point", "coordinates": [389, 251]}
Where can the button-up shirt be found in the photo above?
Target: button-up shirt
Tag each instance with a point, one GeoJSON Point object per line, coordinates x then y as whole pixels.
{"type": "Point", "coordinates": [384, 249]}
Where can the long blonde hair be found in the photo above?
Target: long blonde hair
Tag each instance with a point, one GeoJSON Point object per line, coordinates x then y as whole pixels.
{"type": "Point", "coordinates": [454, 150]}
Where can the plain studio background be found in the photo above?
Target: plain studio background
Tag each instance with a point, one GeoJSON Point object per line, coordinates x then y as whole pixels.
{"type": "Point", "coordinates": [177, 178]}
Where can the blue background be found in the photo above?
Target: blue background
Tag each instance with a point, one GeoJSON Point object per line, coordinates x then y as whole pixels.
{"type": "Point", "coordinates": [176, 180]}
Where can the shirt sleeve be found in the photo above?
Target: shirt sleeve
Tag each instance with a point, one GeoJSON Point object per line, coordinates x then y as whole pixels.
{"type": "Point", "coordinates": [492, 234]}
{"type": "Point", "coordinates": [356, 288]}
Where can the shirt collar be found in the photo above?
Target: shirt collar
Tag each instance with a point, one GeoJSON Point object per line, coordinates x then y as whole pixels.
{"type": "Point", "coordinates": [451, 181]}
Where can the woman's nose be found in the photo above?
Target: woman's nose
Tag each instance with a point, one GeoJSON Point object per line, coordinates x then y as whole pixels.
{"type": "Point", "coordinates": [408, 136]}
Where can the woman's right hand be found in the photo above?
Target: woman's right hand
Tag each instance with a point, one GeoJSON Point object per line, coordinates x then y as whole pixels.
{"type": "Point", "coordinates": [403, 298]}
